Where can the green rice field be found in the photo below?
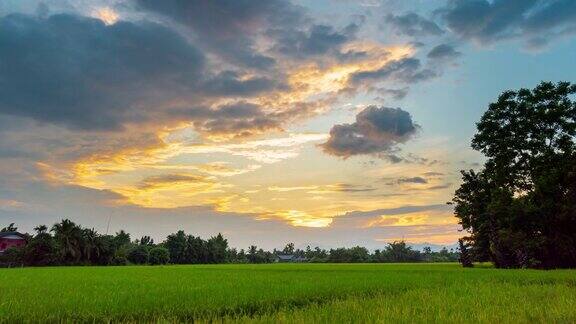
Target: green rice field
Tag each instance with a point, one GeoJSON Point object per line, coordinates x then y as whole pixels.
{"type": "Point", "coordinates": [288, 293]}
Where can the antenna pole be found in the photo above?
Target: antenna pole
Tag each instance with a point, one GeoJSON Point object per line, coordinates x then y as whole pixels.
{"type": "Point", "coordinates": [108, 225]}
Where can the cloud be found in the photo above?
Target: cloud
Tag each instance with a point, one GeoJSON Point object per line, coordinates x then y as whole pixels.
{"type": "Point", "coordinates": [240, 118]}
{"type": "Point", "coordinates": [347, 187]}
{"type": "Point", "coordinates": [318, 40]}
{"type": "Point", "coordinates": [167, 180]}
{"type": "Point", "coordinates": [418, 180]}
{"type": "Point", "coordinates": [535, 21]}
{"type": "Point", "coordinates": [83, 74]}
{"type": "Point", "coordinates": [228, 28]}
{"type": "Point", "coordinates": [406, 70]}
{"type": "Point", "coordinates": [86, 75]}
{"type": "Point", "coordinates": [412, 24]}
{"type": "Point", "coordinates": [438, 187]}
{"type": "Point", "coordinates": [396, 94]}
{"type": "Point", "coordinates": [443, 52]}
{"type": "Point", "coordinates": [354, 218]}
{"type": "Point", "coordinates": [377, 130]}
{"type": "Point", "coordinates": [232, 84]}
{"type": "Point", "coordinates": [341, 188]}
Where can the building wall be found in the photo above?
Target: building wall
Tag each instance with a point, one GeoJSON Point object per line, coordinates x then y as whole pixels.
{"type": "Point", "coordinates": [8, 243]}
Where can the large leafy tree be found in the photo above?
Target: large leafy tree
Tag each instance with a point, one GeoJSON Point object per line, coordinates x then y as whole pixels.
{"type": "Point", "coordinates": [520, 208]}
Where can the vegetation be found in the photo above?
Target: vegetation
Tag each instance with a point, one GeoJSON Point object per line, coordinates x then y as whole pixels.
{"type": "Point", "coordinates": [71, 244]}
{"type": "Point", "coordinates": [520, 209]}
{"type": "Point", "coordinates": [321, 293]}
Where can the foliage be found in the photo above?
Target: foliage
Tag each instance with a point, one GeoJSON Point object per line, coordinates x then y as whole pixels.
{"type": "Point", "coordinates": [119, 261]}
{"type": "Point", "coordinates": [138, 254]}
{"type": "Point", "coordinates": [256, 255]}
{"type": "Point", "coordinates": [397, 252]}
{"type": "Point", "coordinates": [355, 254]}
{"type": "Point", "coordinates": [70, 244]}
{"type": "Point", "coordinates": [159, 255]}
{"type": "Point", "coordinates": [9, 228]}
{"type": "Point", "coordinates": [520, 209]}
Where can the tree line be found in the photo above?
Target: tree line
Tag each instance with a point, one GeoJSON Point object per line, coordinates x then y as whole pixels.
{"type": "Point", "coordinates": [67, 243]}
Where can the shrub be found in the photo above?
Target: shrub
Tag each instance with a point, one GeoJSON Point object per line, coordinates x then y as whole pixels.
{"type": "Point", "coordinates": [119, 261]}
{"type": "Point", "coordinates": [159, 255]}
{"type": "Point", "coordinates": [138, 254]}
{"type": "Point", "coordinates": [12, 257]}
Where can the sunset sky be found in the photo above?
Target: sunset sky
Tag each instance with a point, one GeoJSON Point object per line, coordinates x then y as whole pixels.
{"type": "Point", "coordinates": [330, 123]}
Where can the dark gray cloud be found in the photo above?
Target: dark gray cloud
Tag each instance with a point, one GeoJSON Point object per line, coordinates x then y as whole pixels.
{"type": "Point", "coordinates": [228, 27]}
{"type": "Point", "coordinates": [399, 210]}
{"type": "Point", "coordinates": [396, 94]}
{"type": "Point", "coordinates": [406, 70]}
{"type": "Point", "coordinates": [536, 21]}
{"type": "Point", "coordinates": [441, 186]}
{"type": "Point", "coordinates": [78, 72]}
{"type": "Point", "coordinates": [240, 118]}
{"type": "Point", "coordinates": [418, 180]}
{"type": "Point", "coordinates": [318, 40]}
{"type": "Point", "coordinates": [403, 180]}
{"type": "Point", "coordinates": [352, 188]}
{"type": "Point", "coordinates": [412, 24]}
{"type": "Point", "coordinates": [231, 84]}
{"type": "Point", "coordinates": [443, 52]}
{"type": "Point", "coordinates": [551, 15]}
{"type": "Point", "coordinates": [377, 130]}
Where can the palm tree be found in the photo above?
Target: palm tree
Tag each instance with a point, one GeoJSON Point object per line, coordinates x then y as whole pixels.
{"type": "Point", "coordinates": [69, 238]}
{"type": "Point", "coordinates": [90, 246]}
{"type": "Point", "coordinates": [40, 229]}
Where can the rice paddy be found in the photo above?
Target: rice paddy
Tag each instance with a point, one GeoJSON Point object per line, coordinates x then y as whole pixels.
{"type": "Point", "coordinates": [291, 293]}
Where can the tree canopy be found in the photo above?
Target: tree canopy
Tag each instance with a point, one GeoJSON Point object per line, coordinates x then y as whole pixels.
{"type": "Point", "coordinates": [520, 208]}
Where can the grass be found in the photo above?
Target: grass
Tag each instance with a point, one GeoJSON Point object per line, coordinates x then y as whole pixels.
{"type": "Point", "coordinates": [320, 293]}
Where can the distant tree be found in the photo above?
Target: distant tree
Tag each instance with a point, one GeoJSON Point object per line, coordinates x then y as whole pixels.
{"type": "Point", "coordinates": [121, 239]}
{"type": "Point", "coordinates": [89, 244]}
{"type": "Point", "coordinates": [145, 240]}
{"type": "Point", "coordinates": [196, 250]}
{"type": "Point", "coordinates": [176, 245]}
{"type": "Point", "coordinates": [217, 246]}
{"type": "Point", "coordinates": [13, 257]}
{"type": "Point", "coordinates": [138, 254]}
{"type": "Point", "coordinates": [159, 255]}
{"type": "Point", "coordinates": [427, 253]}
{"type": "Point", "coordinates": [399, 251]}
{"type": "Point", "coordinates": [105, 250]}
{"type": "Point", "coordinates": [41, 229]}
{"type": "Point", "coordinates": [9, 228]}
{"type": "Point", "coordinates": [520, 209]}
{"type": "Point", "coordinates": [256, 255]}
{"type": "Point", "coordinates": [288, 249]}
{"type": "Point", "coordinates": [343, 255]}
{"type": "Point", "coordinates": [69, 240]}
{"type": "Point", "coordinates": [119, 261]}
{"type": "Point", "coordinates": [41, 250]}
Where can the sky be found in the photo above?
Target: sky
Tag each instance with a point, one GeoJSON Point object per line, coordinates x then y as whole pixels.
{"type": "Point", "coordinates": [319, 122]}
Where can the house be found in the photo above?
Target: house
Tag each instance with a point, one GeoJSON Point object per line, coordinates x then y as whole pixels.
{"type": "Point", "coordinates": [11, 239]}
{"type": "Point", "coordinates": [290, 258]}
